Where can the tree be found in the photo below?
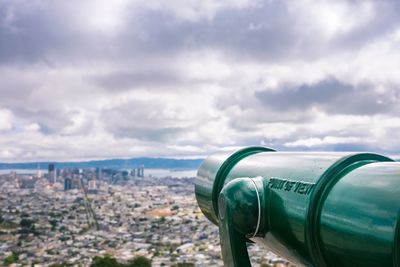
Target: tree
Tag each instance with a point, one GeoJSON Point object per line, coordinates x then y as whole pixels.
{"type": "Point", "coordinates": [185, 264]}
{"type": "Point", "coordinates": [27, 227]}
{"type": "Point", "coordinates": [13, 258]}
{"type": "Point", "coordinates": [139, 261]}
{"type": "Point", "coordinates": [26, 223]}
{"type": "Point", "coordinates": [106, 261]}
{"type": "Point", "coordinates": [53, 224]}
{"type": "Point", "coordinates": [59, 265]}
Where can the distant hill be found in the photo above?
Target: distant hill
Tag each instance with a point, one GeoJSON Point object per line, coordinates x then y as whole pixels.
{"type": "Point", "coordinates": [152, 163]}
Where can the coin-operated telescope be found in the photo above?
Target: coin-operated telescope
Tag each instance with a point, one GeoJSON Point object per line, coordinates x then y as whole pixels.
{"type": "Point", "coordinates": [314, 209]}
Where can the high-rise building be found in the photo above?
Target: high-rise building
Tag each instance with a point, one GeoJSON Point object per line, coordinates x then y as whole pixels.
{"type": "Point", "coordinates": [75, 171]}
{"type": "Point", "coordinates": [58, 174]}
{"type": "Point", "coordinates": [38, 171]}
{"type": "Point", "coordinates": [140, 171]}
{"type": "Point", "coordinates": [98, 173]}
{"type": "Point", "coordinates": [51, 167]}
{"type": "Point", "coordinates": [125, 175]}
{"type": "Point", "coordinates": [67, 184]}
{"type": "Point", "coordinates": [92, 186]}
{"type": "Point", "coordinates": [52, 173]}
{"type": "Point", "coordinates": [76, 182]}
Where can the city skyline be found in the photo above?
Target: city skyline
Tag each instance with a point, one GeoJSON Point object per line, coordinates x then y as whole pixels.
{"type": "Point", "coordinates": [122, 79]}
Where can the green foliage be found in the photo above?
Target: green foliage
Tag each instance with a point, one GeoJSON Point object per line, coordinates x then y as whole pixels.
{"type": "Point", "coordinates": [27, 227]}
{"type": "Point", "coordinates": [139, 261]}
{"type": "Point", "coordinates": [53, 223]}
{"type": "Point", "coordinates": [183, 264]}
{"type": "Point", "coordinates": [13, 258]}
{"type": "Point", "coordinates": [59, 265]}
{"type": "Point", "coordinates": [108, 261]}
{"type": "Point", "coordinates": [8, 225]}
{"type": "Point", "coordinates": [265, 265]}
{"type": "Point", "coordinates": [26, 223]}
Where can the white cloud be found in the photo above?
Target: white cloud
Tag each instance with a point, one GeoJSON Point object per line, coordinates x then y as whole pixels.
{"type": "Point", "coordinates": [32, 127]}
{"type": "Point", "coordinates": [328, 19]}
{"type": "Point", "coordinates": [328, 140]}
{"type": "Point", "coordinates": [192, 10]}
{"type": "Point", "coordinates": [5, 120]}
{"type": "Point", "coordinates": [103, 16]}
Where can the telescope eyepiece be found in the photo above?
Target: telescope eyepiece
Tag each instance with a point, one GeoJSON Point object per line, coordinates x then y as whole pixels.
{"type": "Point", "coordinates": [240, 201]}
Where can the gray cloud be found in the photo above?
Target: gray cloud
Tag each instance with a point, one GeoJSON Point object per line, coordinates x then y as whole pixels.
{"type": "Point", "coordinates": [50, 121]}
{"type": "Point", "coordinates": [264, 30]}
{"type": "Point", "coordinates": [33, 31]}
{"type": "Point", "coordinates": [132, 80]}
{"type": "Point", "coordinates": [30, 32]}
{"type": "Point", "coordinates": [331, 96]}
{"type": "Point", "coordinates": [142, 120]}
{"type": "Point", "coordinates": [51, 33]}
{"type": "Point", "coordinates": [384, 21]}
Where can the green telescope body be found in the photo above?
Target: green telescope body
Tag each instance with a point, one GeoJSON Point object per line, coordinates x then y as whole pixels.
{"type": "Point", "coordinates": [314, 209]}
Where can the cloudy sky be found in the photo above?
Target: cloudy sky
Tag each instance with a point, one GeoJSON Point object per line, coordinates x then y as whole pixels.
{"type": "Point", "coordinates": [124, 78]}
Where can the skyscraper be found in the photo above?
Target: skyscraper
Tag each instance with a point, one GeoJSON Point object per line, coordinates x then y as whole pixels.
{"type": "Point", "coordinates": [92, 187]}
{"type": "Point", "coordinates": [98, 173]}
{"type": "Point", "coordinates": [52, 173]}
{"type": "Point", "coordinates": [67, 184]}
{"type": "Point", "coordinates": [38, 171]}
{"type": "Point", "coordinates": [140, 171]}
